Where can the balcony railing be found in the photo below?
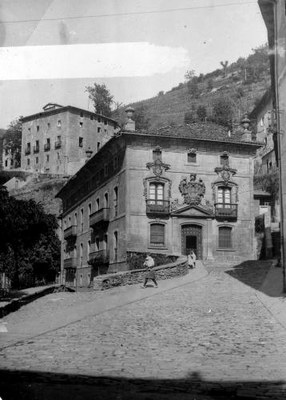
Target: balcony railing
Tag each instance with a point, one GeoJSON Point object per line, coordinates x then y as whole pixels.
{"type": "Point", "coordinates": [47, 147]}
{"type": "Point", "coordinates": [27, 151]}
{"type": "Point", "coordinates": [58, 144]}
{"type": "Point", "coordinates": [70, 231]}
{"type": "Point", "coordinates": [223, 210]}
{"type": "Point", "coordinates": [36, 149]}
{"type": "Point", "coordinates": [98, 217]}
{"type": "Point", "coordinates": [160, 207]}
{"type": "Point", "coordinates": [98, 257]}
{"type": "Point", "coordinates": [70, 262]}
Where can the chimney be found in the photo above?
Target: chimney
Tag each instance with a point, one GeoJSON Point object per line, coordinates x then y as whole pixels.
{"type": "Point", "coordinates": [130, 124]}
{"type": "Point", "coordinates": [247, 134]}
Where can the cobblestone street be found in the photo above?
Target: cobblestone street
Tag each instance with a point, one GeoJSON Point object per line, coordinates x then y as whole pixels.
{"type": "Point", "coordinates": [215, 328]}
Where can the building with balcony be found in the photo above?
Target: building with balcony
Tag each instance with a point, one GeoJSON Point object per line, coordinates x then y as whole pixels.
{"type": "Point", "coordinates": [167, 192]}
{"type": "Point", "coordinates": [59, 139]}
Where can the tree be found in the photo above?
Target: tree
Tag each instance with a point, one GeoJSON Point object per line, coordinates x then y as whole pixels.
{"type": "Point", "coordinates": [101, 98]}
{"type": "Point", "coordinates": [29, 246]}
{"type": "Point", "coordinates": [12, 140]}
{"type": "Point", "coordinates": [189, 75]}
{"type": "Point", "coordinates": [202, 113]}
{"type": "Point", "coordinates": [189, 117]}
{"type": "Point", "coordinates": [223, 111]}
{"type": "Point", "coordinates": [142, 121]}
{"type": "Point", "coordinates": [224, 66]}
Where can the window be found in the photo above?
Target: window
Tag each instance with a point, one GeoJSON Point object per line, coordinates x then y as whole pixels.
{"type": "Point", "coordinates": [89, 209]}
{"type": "Point", "coordinates": [157, 234]}
{"type": "Point", "coordinates": [49, 125]}
{"type": "Point", "coordinates": [98, 130]}
{"type": "Point", "coordinates": [224, 159]}
{"type": "Point", "coordinates": [115, 244]}
{"type": "Point", "coordinates": [80, 141]}
{"type": "Point", "coordinates": [47, 158]}
{"type": "Point", "coordinates": [37, 160]}
{"type": "Point", "coordinates": [81, 114]}
{"type": "Point", "coordinates": [97, 205]}
{"type": "Point", "coordinates": [88, 246]}
{"type": "Point", "coordinates": [115, 199]}
{"type": "Point", "coordinates": [224, 197]}
{"type": "Point", "coordinates": [28, 161]}
{"type": "Point", "coordinates": [91, 117]}
{"type": "Point", "coordinates": [156, 193]}
{"type": "Point", "coordinates": [106, 200]}
{"type": "Point", "coordinates": [97, 243]}
{"type": "Point", "coordinates": [98, 119]}
{"type": "Point", "coordinates": [224, 237]}
{"type": "Point", "coordinates": [81, 124]}
{"type": "Point", "coordinates": [81, 220]}
{"type": "Point", "coordinates": [6, 163]}
{"type": "Point", "coordinates": [157, 154]}
{"type": "Point", "coordinates": [59, 123]}
{"type": "Point", "coordinates": [81, 253]}
{"type": "Point", "coordinates": [38, 128]}
{"type": "Point", "coordinates": [98, 146]}
{"type": "Point", "coordinates": [192, 157]}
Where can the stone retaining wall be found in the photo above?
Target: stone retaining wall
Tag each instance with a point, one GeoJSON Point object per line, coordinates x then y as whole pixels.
{"type": "Point", "coordinates": [135, 276]}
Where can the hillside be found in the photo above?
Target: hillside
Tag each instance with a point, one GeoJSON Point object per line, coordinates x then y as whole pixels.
{"type": "Point", "coordinates": [42, 189]}
{"type": "Point", "coordinates": [242, 83]}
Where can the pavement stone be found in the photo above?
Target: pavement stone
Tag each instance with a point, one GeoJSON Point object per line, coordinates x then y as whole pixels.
{"type": "Point", "coordinates": [208, 327]}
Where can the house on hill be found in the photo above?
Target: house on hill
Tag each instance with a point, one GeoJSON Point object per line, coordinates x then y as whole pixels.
{"type": "Point", "coordinates": [166, 192]}
{"type": "Point", "coordinates": [59, 139]}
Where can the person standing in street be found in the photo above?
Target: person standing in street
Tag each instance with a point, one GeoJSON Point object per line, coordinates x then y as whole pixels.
{"type": "Point", "coordinates": [150, 273]}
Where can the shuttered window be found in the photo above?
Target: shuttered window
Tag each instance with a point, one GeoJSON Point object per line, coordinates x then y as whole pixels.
{"type": "Point", "coordinates": [224, 197]}
{"type": "Point", "coordinates": [157, 234]}
{"type": "Point", "coordinates": [224, 237]}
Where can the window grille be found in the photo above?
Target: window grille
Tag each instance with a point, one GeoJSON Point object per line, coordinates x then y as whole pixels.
{"type": "Point", "coordinates": [157, 234]}
{"type": "Point", "coordinates": [224, 237]}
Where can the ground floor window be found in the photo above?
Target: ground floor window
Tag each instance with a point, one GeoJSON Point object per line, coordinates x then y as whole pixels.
{"type": "Point", "coordinates": [225, 237]}
{"type": "Point", "coordinates": [157, 234]}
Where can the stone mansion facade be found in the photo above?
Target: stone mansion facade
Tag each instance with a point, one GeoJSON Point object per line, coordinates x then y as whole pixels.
{"type": "Point", "coordinates": [169, 191]}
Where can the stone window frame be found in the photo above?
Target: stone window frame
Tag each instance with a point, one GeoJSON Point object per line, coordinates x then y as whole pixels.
{"type": "Point", "coordinates": [231, 227]}
{"type": "Point", "coordinates": [153, 245]}
{"type": "Point", "coordinates": [152, 179]}
{"type": "Point", "coordinates": [230, 185]}
{"type": "Point", "coordinates": [193, 152]}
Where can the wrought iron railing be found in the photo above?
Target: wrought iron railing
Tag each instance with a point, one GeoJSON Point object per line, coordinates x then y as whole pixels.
{"type": "Point", "coordinates": [157, 206]}
{"type": "Point", "coordinates": [224, 210]}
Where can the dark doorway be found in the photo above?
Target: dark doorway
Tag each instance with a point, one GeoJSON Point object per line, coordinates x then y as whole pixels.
{"type": "Point", "coordinates": [192, 240]}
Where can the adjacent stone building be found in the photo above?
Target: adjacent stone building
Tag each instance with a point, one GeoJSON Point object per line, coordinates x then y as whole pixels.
{"type": "Point", "coordinates": [169, 191]}
{"type": "Point", "coordinates": [58, 139]}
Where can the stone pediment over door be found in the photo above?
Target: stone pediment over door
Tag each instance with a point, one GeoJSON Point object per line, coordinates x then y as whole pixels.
{"type": "Point", "coordinates": [193, 211]}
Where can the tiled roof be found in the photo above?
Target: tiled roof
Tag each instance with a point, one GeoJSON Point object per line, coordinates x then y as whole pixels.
{"type": "Point", "coordinates": [199, 130]}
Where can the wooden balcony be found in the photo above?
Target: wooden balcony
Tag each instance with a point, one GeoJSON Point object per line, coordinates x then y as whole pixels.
{"type": "Point", "coordinates": [98, 257]}
{"type": "Point", "coordinates": [47, 147]}
{"type": "Point", "coordinates": [70, 232]}
{"type": "Point", "coordinates": [158, 207]}
{"type": "Point", "coordinates": [70, 262]}
{"type": "Point", "coordinates": [58, 144]}
{"type": "Point", "coordinates": [99, 217]}
{"type": "Point", "coordinates": [226, 211]}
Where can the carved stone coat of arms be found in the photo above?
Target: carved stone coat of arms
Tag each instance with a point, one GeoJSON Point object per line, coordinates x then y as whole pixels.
{"type": "Point", "coordinates": [192, 191]}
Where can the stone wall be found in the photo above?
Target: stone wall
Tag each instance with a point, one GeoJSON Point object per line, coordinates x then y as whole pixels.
{"type": "Point", "coordinates": [132, 277]}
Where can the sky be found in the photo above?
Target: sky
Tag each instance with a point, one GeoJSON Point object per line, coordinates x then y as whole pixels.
{"type": "Point", "coordinates": [50, 50]}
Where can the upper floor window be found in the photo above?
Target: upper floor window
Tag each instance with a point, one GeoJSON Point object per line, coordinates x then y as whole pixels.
{"type": "Point", "coordinates": [38, 128]}
{"type": "Point", "coordinates": [115, 199]}
{"type": "Point", "coordinates": [225, 237]}
{"type": "Point", "coordinates": [106, 200]}
{"type": "Point", "coordinates": [59, 123]}
{"type": "Point", "coordinates": [80, 141]}
{"type": "Point", "coordinates": [97, 205]}
{"type": "Point", "coordinates": [89, 209]}
{"type": "Point", "coordinates": [81, 219]}
{"type": "Point", "coordinates": [157, 154]}
{"type": "Point", "coordinates": [75, 219]}
{"type": "Point", "coordinates": [115, 244]}
{"type": "Point", "coordinates": [192, 157]}
{"type": "Point", "coordinates": [81, 114]}
{"type": "Point", "coordinates": [224, 159]}
{"type": "Point", "coordinates": [81, 124]}
{"type": "Point", "coordinates": [156, 192]}
{"type": "Point", "coordinates": [157, 234]}
{"type": "Point", "coordinates": [224, 196]}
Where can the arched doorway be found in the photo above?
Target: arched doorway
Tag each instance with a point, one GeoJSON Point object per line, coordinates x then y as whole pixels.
{"type": "Point", "coordinates": [191, 238]}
